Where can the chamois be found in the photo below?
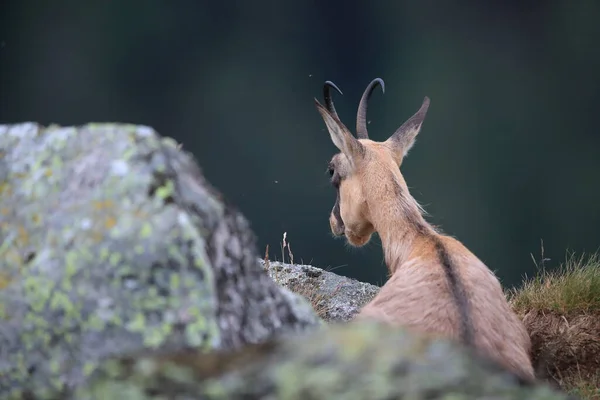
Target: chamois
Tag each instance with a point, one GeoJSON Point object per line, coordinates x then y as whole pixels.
{"type": "Point", "coordinates": [435, 285]}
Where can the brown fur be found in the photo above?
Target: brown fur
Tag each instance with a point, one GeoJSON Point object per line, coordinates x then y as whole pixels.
{"type": "Point", "coordinates": [436, 285]}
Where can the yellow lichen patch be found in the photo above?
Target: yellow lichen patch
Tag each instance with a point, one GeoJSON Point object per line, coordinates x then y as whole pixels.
{"type": "Point", "coordinates": [110, 222]}
{"type": "Point", "coordinates": [165, 191]}
{"type": "Point", "coordinates": [100, 205]}
{"type": "Point", "coordinates": [11, 256]}
{"type": "Point", "coordinates": [35, 218]}
{"type": "Point", "coordinates": [48, 173]}
{"type": "Point", "coordinates": [114, 259]}
{"type": "Point", "coordinates": [4, 281]}
{"type": "Point", "coordinates": [146, 231]}
{"type": "Point", "coordinates": [5, 189]}
{"type": "Point", "coordinates": [22, 236]}
{"type": "Point", "coordinates": [141, 214]}
{"type": "Point", "coordinates": [4, 211]}
{"type": "Point", "coordinates": [97, 236]}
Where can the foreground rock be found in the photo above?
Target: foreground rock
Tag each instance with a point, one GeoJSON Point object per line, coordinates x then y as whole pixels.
{"type": "Point", "coordinates": [354, 361]}
{"type": "Point", "coordinates": [336, 298]}
{"type": "Point", "coordinates": [112, 243]}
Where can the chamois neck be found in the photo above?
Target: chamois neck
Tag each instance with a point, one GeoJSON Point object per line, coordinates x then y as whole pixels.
{"type": "Point", "coordinates": [400, 225]}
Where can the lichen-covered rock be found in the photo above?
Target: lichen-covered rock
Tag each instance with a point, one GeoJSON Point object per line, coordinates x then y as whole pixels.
{"type": "Point", "coordinates": [113, 242]}
{"type": "Point", "coordinates": [354, 361]}
{"type": "Point", "coordinates": [335, 297]}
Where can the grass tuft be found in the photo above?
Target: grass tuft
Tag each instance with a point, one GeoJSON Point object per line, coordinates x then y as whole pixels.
{"type": "Point", "coordinates": [573, 288]}
{"type": "Point", "coordinates": [561, 311]}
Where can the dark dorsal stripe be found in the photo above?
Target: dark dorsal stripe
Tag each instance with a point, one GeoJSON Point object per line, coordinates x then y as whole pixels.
{"type": "Point", "coordinates": [458, 292]}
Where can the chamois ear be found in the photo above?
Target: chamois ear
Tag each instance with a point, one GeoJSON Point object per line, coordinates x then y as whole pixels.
{"type": "Point", "coordinates": [404, 137]}
{"type": "Point", "coordinates": [340, 135]}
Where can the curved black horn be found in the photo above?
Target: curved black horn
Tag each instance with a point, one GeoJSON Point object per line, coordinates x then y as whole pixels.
{"type": "Point", "coordinates": [327, 95]}
{"type": "Point", "coordinates": [361, 116]}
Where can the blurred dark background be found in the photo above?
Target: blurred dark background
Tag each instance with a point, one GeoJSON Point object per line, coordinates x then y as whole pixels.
{"type": "Point", "coordinates": [508, 155]}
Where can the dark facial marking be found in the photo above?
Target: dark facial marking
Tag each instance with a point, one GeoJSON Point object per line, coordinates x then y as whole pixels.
{"type": "Point", "coordinates": [331, 168]}
{"type": "Point", "coordinates": [336, 210]}
{"type": "Point", "coordinates": [336, 179]}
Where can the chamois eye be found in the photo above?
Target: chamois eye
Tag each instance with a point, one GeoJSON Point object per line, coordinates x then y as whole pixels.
{"type": "Point", "coordinates": [331, 171]}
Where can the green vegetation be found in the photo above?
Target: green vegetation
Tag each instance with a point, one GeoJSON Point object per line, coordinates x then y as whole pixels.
{"type": "Point", "coordinates": [574, 287]}
{"type": "Point", "coordinates": [561, 310]}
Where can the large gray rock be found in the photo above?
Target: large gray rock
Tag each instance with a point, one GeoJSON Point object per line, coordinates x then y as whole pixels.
{"type": "Point", "coordinates": [343, 362]}
{"type": "Point", "coordinates": [336, 298]}
{"type": "Point", "coordinates": [113, 242]}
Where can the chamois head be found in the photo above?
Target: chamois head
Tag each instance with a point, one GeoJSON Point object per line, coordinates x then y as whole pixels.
{"type": "Point", "coordinates": [366, 173]}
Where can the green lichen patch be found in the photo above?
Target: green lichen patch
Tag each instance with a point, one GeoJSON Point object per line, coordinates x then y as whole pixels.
{"type": "Point", "coordinates": [95, 265]}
